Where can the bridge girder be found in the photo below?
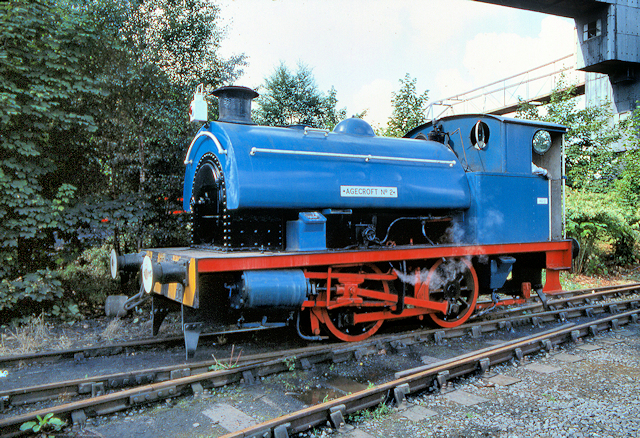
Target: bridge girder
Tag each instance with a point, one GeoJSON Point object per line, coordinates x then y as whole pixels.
{"type": "Point", "coordinates": [563, 8]}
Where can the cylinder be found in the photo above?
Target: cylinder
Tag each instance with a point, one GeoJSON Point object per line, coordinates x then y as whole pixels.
{"type": "Point", "coordinates": [284, 289]}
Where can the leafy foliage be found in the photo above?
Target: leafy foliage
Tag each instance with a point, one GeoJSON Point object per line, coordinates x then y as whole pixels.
{"type": "Point", "coordinates": [596, 219]}
{"type": "Point", "coordinates": [48, 423]}
{"type": "Point", "coordinates": [45, 89]}
{"type": "Point", "coordinates": [409, 108]}
{"type": "Point", "coordinates": [589, 157]}
{"type": "Point", "coordinates": [628, 184]}
{"type": "Point", "coordinates": [289, 98]}
{"type": "Point", "coordinates": [93, 129]}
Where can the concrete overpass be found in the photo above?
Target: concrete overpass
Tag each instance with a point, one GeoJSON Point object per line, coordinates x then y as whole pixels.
{"type": "Point", "coordinates": [608, 45]}
{"type": "Point", "coordinates": [504, 96]}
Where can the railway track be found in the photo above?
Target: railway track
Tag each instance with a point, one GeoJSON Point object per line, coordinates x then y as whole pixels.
{"type": "Point", "coordinates": [169, 382]}
{"type": "Point", "coordinates": [564, 309]}
{"type": "Point", "coordinates": [419, 379]}
{"type": "Point", "coordinates": [565, 299]}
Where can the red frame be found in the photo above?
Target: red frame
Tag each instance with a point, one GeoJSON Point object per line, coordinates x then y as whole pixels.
{"type": "Point", "coordinates": [558, 257]}
{"type": "Point", "coordinates": [349, 289]}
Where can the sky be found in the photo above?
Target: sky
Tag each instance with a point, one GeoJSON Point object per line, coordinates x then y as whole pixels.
{"type": "Point", "coordinates": [364, 47]}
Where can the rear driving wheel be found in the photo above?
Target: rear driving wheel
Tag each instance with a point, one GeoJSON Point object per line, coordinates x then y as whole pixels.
{"type": "Point", "coordinates": [454, 281]}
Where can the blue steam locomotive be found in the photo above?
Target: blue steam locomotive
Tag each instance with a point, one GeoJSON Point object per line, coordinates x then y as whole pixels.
{"type": "Point", "coordinates": [335, 232]}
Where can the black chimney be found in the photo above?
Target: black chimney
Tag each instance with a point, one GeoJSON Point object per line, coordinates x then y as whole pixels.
{"type": "Point", "coordinates": [234, 104]}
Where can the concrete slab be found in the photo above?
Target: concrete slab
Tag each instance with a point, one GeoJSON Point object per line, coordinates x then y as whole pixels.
{"type": "Point", "coordinates": [355, 433]}
{"type": "Point", "coordinates": [589, 347]}
{"type": "Point", "coordinates": [503, 380]}
{"type": "Point", "coordinates": [540, 368]}
{"type": "Point", "coordinates": [273, 404]}
{"type": "Point", "coordinates": [565, 357]}
{"type": "Point", "coordinates": [608, 341]}
{"type": "Point", "coordinates": [417, 413]}
{"type": "Point", "coordinates": [626, 333]}
{"type": "Point", "coordinates": [464, 398]}
{"type": "Point", "coordinates": [428, 360]}
{"type": "Point", "coordinates": [228, 417]}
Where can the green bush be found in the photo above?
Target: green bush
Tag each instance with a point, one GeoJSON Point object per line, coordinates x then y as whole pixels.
{"type": "Point", "coordinates": [88, 278]}
{"type": "Point", "coordinates": [599, 223]}
{"type": "Point", "coordinates": [29, 290]}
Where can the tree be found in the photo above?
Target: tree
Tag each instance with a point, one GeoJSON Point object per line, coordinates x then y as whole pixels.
{"type": "Point", "coordinates": [93, 127]}
{"type": "Point", "coordinates": [46, 91]}
{"type": "Point", "coordinates": [589, 157]}
{"type": "Point", "coordinates": [628, 184]}
{"type": "Point", "coordinates": [409, 108]}
{"type": "Point", "coordinates": [164, 49]}
{"type": "Point", "coordinates": [596, 213]}
{"type": "Point", "coordinates": [293, 99]}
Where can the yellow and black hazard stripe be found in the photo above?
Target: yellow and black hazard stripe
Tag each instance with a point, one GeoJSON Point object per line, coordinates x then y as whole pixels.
{"type": "Point", "coordinates": [187, 294]}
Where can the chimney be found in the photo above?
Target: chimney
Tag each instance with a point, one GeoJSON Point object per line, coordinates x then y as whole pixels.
{"type": "Point", "coordinates": [234, 104]}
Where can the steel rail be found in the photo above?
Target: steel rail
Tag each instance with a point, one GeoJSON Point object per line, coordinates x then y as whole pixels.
{"type": "Point", "coordinates": [586, 295]}
{"type": "Point", "coordinates": [98, 385]}
{"type": "Point", "coordinates": [419, 379]}
{"type": "Point", "coordinates": [113, 349]}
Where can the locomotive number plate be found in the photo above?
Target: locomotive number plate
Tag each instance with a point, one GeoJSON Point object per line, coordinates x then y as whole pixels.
{"type": "Point", "coordinates": [368, 192]}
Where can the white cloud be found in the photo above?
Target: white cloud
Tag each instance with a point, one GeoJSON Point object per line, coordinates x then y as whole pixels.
{"type": "Point", "coordinates": [375, 97]}
{"type": "Point", "coordinates": [448, 82]}
{"type": "Point", "coordinates": [363, 47]}
{"type": "Point", "coordinates": [492, 56]}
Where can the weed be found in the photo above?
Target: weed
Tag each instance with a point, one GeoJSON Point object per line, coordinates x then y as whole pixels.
{"type": "Point", "coordinates": [48, 423]}
{"type": "Point", "coordinates": [111, 330]}
{"type": "Point", "coordinates": [227, 365]}
{"type": "Point", "coordinates": [29, 337]}
{"type": "Point", "coordinates": [549, 397]}
{"type": "Point", "coordinates": [290, 362]}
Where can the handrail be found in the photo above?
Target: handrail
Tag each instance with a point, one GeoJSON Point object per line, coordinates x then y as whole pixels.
{"type": "Point", "coordinates": [366, 158]}
{"type": "Point", "coordinates": [221, 150]}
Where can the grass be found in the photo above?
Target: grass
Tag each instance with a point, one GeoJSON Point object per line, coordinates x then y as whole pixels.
{"type": "Point", "coordinates": [31, 336]}
{"type": "Point", "coordinates": [379, 412]}
{"type": "Point", "coordinates": [111, 330]}
{"type": "Point", "coordinates": [27, 338]}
